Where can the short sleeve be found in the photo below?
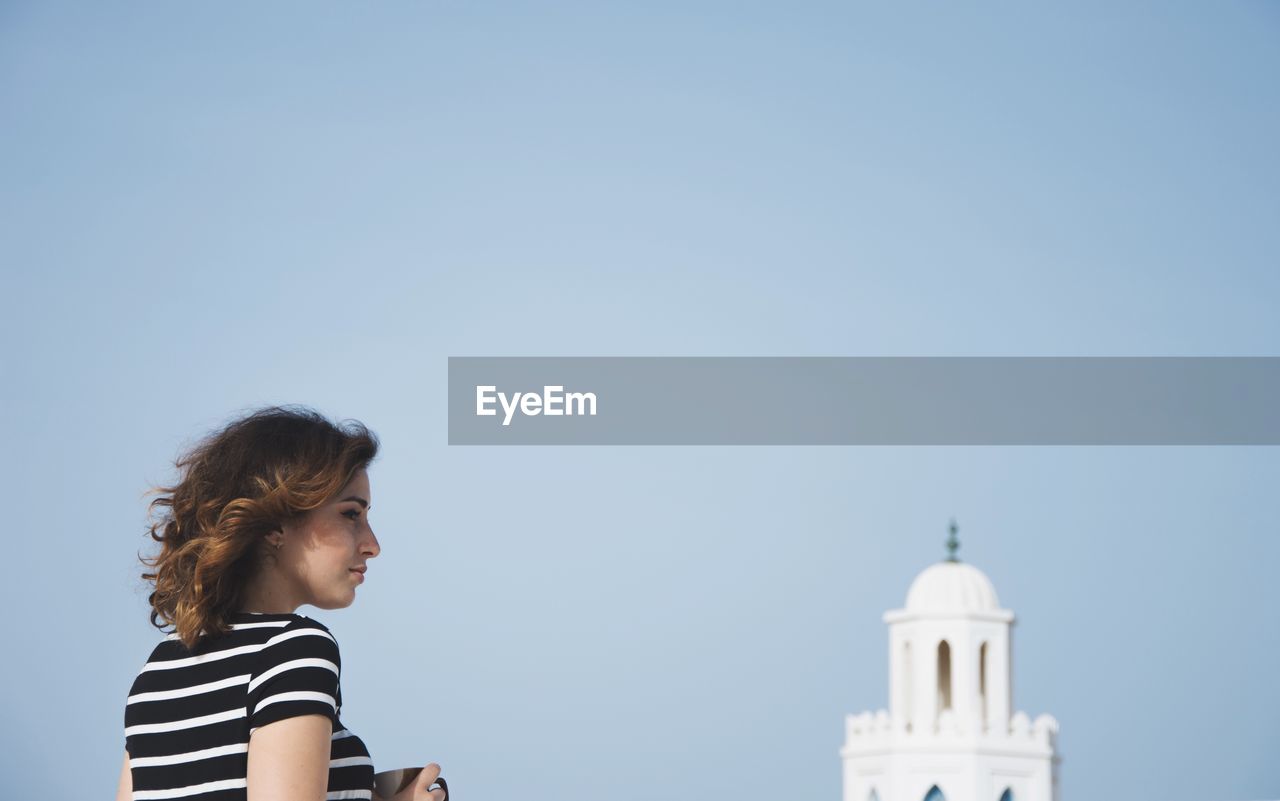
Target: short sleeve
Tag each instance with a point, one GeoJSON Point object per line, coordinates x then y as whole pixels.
{"type": "Point", "coordinates": [297, 674]}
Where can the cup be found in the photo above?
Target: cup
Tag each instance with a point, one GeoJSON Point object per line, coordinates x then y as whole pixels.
{"type": "Point", "coordinates": [389, 782]}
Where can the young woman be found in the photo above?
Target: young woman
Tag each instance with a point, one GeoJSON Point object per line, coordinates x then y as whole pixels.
{"type": "Point", "coordinates": [243, 700]}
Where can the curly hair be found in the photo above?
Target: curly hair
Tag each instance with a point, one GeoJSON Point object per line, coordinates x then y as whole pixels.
{"type": "Point", "coordinates": [236, 485]}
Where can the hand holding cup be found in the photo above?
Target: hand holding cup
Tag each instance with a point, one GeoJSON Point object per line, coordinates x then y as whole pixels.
{"type": "Point", "coordinates": [411, 784]}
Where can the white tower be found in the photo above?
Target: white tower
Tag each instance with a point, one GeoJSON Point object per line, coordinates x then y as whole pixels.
{"type": "Point", "coordinates": [950, 733]}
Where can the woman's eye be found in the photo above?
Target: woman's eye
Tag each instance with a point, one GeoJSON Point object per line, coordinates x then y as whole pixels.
{"type": "Point", "coordinates": [352, 513]}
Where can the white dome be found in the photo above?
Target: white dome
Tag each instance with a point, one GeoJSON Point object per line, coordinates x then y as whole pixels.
{"type": "Point", "coordinates": [952, 587]}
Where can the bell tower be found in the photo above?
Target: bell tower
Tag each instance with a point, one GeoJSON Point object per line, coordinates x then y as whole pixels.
{"type": "Point", "coordinates": [950, 733]}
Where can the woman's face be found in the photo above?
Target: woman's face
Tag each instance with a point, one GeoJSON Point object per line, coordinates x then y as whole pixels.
{"type": "Point", "coordinates": [322, 552]}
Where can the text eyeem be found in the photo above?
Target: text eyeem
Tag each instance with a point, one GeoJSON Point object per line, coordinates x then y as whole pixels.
{"type": "Point", "coordinates": [532, 403]}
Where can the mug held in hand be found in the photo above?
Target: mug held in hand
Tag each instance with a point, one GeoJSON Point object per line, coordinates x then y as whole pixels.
{"type": "Point", "coordinates": [390, 782]}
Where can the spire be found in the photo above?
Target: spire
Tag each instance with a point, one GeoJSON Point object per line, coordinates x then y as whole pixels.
{"type": "Point", "coordinates": [953, 544]}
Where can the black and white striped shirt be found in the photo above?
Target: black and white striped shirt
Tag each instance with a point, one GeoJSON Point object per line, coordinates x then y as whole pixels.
{"type": "Point", "coordinates": [190, 713]}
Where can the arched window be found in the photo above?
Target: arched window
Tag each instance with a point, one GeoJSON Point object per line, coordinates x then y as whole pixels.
{"type": "Point", "coordinates": [908, 690]}
{"type": "Point", "coordinates": [944, 676]}
{"type": "Point", "coordinates": [934, 794]}
{"type": "Point", "coordinates": [1007, 795]}
{"type": "Point", "coordinates": [982, 688]}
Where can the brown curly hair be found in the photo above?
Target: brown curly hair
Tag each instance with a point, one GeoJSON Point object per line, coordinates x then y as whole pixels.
{"type": "Point", "coordinates": [236, 485]}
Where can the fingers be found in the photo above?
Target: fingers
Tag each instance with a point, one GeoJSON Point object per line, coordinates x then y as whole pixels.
{"type": "Point", "coordinates": [426, 778]}
{"type": "Point", "coordinates": [437, 794]}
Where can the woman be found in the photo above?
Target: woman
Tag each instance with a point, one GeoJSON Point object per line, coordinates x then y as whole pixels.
{"type": "Point", "coordinates": [242, 700]}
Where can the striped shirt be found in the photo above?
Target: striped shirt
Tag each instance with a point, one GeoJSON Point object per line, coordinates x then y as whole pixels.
{"type": "Point", "coordinates": [190, 713]}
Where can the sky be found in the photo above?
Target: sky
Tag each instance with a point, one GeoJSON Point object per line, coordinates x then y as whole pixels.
{"type": "Point", "coordinates": [209, 208]}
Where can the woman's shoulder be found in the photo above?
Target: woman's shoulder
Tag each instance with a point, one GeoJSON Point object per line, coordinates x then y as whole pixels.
{"type": "Point", "coordinates": [297, 640]}
{"type": "Point", "coordinates": [296, 624]}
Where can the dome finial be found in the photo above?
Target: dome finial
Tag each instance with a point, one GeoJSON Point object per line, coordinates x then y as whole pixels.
{"type": "Point", "coordinates": [953, 544]}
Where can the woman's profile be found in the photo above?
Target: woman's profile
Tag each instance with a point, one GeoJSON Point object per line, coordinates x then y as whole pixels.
{"type": "Point", "coordinates": [242, 699]}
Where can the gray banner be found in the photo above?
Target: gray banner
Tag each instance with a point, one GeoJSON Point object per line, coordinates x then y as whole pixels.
{"type": "Point", "coordinates": [864, 401]}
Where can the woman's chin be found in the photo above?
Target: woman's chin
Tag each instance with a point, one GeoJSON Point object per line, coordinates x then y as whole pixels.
{"type": "Point", "coordinates": [337, 603]}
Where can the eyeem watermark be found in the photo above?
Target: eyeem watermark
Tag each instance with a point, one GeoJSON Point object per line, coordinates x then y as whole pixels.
{"type": "Point", "coordinates": [820, 400]}
{"type": "Point", "coordinates": [532, 404]}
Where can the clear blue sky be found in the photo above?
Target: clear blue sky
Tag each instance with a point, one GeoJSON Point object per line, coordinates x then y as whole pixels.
{"type": "Point", "coordinates": [209, 207]}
